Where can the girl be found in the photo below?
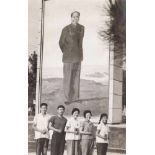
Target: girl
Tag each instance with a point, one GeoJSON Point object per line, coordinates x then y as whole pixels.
{"type": "Point", "coordinates": [102, 135]}
{"type": "Point", "coordinates": [72, 133]}
{"type": "Point", "coordinates": [86, 131]}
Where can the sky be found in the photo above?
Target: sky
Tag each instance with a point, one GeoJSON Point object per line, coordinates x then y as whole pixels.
{"type": "Point", "coordinates": [57, 16]}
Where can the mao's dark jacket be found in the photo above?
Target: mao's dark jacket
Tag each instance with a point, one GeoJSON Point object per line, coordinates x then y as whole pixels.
{"type": "Point", "coordinates": [71, 43]}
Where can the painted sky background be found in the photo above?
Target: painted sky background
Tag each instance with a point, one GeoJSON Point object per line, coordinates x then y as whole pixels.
{"type": "Point", "coordinates": [57, 15]}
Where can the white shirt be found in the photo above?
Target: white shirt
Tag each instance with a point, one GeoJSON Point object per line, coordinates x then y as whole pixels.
{"type": "Point", "coordinates": [41, 122]}
{"type": "Point", "coordinates": [72, 125]}
{"type": "Point", "coordinates": [104, 129]}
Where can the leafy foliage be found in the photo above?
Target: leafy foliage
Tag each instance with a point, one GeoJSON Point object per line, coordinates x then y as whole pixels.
{"type": "Point", "coordinates": [32, 76]}
{"type": "Point", "coordinates": [115, 30]}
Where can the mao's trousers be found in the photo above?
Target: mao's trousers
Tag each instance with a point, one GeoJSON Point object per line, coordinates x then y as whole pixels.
{"type": "Point", "coordinates": [71, 81]}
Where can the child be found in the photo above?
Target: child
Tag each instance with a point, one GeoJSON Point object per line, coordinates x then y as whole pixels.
{"type": "Point", "coordinates": [72, 133]}
{"type": "Point", "coordinates": [102, 135]}
{"type": "Point", "coordinates": [87, 138]}
{"type": "Point", "coordinates": [57, 124]}
{"type": "Point", "coordinates": [40, 125]}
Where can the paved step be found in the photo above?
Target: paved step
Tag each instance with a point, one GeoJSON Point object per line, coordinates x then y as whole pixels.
{"type": "Point", "coordinates": [95, 153]}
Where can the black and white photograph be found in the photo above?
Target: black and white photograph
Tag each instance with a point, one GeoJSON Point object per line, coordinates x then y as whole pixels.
{"type": "Point", "coordinates": [76, 77]}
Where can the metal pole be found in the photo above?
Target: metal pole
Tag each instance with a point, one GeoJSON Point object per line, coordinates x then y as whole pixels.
{"type": "Point", "coordinates": [42, 46]}
{"type": "Point", "coordinates": [40, 62]}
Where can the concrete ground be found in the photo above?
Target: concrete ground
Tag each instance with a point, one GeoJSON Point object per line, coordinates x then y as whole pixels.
{"type": "Point", "coordinates": [65, 153]}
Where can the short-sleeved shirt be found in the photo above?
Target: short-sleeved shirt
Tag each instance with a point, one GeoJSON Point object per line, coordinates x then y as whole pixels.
{"type": "Point", "coordinates": [73, 124]}
{"type": "Point", "coordinates": [104, 130]}
{"type": "Point", "coordinates": [87, 127]}
{"type": "Point", "coordinates": [58, 123]}
{"type": "Point", "coordinates": [41, 122]}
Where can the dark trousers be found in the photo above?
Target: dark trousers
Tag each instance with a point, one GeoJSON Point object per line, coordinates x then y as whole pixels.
{"type": "Point", "coordinates": [71, 81]}
{"type": "Point", "coordinates": [57, 144]}
{"type": "Point", "coordinates": [42, 146]}
{"type": "Point", "coordinates": [102, 148]}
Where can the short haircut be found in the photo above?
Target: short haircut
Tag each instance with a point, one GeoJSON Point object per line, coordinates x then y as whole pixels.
{"type": "Point", "coordinates": [61, 106]}
{"type": "Point", "coordinates": [75, 109]}
{"type": "Point", "coordinates": [43, 104]}
{"type": "Point", "coordinates": [86, 112]}
{"type": "Point", "coordinates": [103, 115]}
{"type": "Point", "coordinates": [75, 12]}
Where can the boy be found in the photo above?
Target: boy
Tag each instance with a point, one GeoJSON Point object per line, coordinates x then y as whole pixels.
{"type": "Point", "coordinates": [40, 125]}
{"type": "Point", "coordinates": [57, 124]}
